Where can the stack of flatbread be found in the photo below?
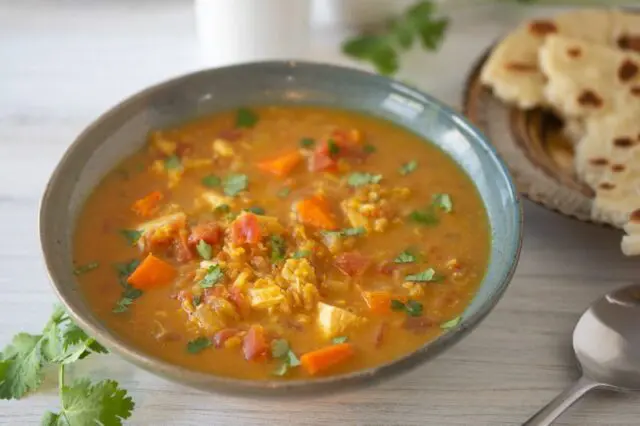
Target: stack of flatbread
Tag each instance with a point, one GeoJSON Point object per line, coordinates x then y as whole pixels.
{"type": "Point", "coordinates": [585, 66]}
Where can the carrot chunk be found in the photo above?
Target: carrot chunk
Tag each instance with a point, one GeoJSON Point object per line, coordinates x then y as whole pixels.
{"type": "Point", "coordinates": [147, 205]}
{"type": "Point", "coordinates": [318, 361]}
{"type": "Point", "coordinates": [281, 166]}
{"type": "Point", "coordinates": [152, 272]}
{"type": "Point", "coordinates": [379, 302]}
{"type": "Point", "coordinates": [314, 211]}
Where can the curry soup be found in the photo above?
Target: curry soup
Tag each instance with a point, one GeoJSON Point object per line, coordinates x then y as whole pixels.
{"type": "Point", "coordinates": [282, 242]}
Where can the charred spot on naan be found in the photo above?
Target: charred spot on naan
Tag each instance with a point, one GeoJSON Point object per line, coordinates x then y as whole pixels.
{"type": "Point", "coordinates": [628, 70]}
{"type": "Point", "coordinates": [629, 42]}
{"type": "Point", "coordinates": [574, 52]}
{"type": "Point", "coordinates": [542, 27]}
{"type": "Point", "coordinates": [623, 142]}
{"type": "Point", "coordinates": [617, 168]}
{"type": "Point", "coordinates": [589, 98]}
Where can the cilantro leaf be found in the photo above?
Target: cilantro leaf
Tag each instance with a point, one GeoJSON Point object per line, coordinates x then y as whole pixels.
{"type": "Point", "coordinates": [307, 143]}
{"type": "Point", "coordinates": [211, 181]}
{"type": "Point", "coordinates": [339, 339]}
{"type": "Point", "coordinates": [197, 300]}
{"type": "Point", "coordinates": [396, 305]}
{"type": "Point", "coordinates": [223, 208]}
{"type": "Point", "coordinates": [172, 162]}
{"type": "Point", "coordinates": [284, 192]}
{"type": "Point", "coordinates": [246, 118]}
{"type": "Point", "coordinates": [408, 168]}
{"type": "Point", "coordinates": [131, 235]}
{"type": "Point", "coordinates": [83, 269]}
{"type": "Point", "coordinates": [85, 404]}
{"type": "Point", "coordinates": [21, 366]}
{"type": "Point", "coordinates": [300, 254]}
{"type": "Point", "coordinates": [256, 210]}
{"type": "Point", "coordinates": [405, 257]}
{"type": "Point", "coordinates": [235, 184]}
{"type": "Point", "coordinates": [369, 149]}
{"type": "Point", "coordinates": [413, 308]}
{"type": "Point", "coordinates": [129, 294]}
{"type": "Point", "coordinates": [196, 345]}
{"type": "Point", "coordinates": [204, 250]}
{"type": "Point", "coordinates": [443, 201]}
{"type": "Point", "coordinates": [428, 275]}
{"type": "Point", "coordinates": [424, 217]}
{"type": "Point", "coordinates": [375, 49]}
{"type": "Point", "coordinates": [292, 359]}
{"type": "Point", "coordinates": [346, 232]}
{"type": "Point", "coordinates": [359, 179]}
{"type": "Point", "coordinates": [281, 369]}
{"type": "Point", "coordinates": [333, 147]}
{"type": "Point", "coordinates": [452, 323]}
{"type": "Point", "coordinates": [279, 348]}
{"type": "Point", "coordinates": [278, 248]}
{"type": "Point", "coordinates": [213, 275]}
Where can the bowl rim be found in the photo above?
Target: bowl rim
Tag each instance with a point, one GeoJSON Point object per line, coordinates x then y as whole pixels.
{"type": "Point", "coordinates": [274, 388]}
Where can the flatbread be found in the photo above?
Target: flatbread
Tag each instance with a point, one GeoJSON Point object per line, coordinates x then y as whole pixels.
{"type": "Point", "coordinates": [626, 30]}
{"type": "Point", "coordinates": [586, 80]}
{"type": "Point", "coordinates": [512, 70]}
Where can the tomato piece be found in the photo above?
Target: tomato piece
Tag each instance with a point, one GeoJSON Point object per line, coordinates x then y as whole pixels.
{"type": "Point", "coordinates": [241, 302]}
{"type": "Point", "coordinates": [181, 247]}
{"type": "Point", "coordinates": [209, 232]}
{"type": "Point", "coordinates": [387, 267]}
{"type": "Point", "coordinates": [254, 344]}
{"type": "Point", "coordinates": [322, 161]}
{"type": "Point", "coordinates": [223, 335]}
{"type": "Point", "coordinates": [352, 263]}
{"type": "Point", "coordinates": [245, 230]}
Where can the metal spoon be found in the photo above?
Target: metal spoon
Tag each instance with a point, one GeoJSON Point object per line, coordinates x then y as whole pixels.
{"type": "Point", "coordinates": [606, 342]}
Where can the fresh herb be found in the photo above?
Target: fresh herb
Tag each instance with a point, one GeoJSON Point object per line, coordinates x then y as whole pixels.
{"type": "Point", "coordinates": [333, 147]}
{"type": "Point", "coordinates": [307, 143]}
{"type": "Point", "coordinates": [369, 149]}
{"type": "Point", "coordinates": [278, 248]}
{"type": "Point", "coordinates": [246, 118]}
{"type": "Point", "coordinates": [172, 162]}
{"type": "Point", "coordinates": [223, 208]}
{"type": "Point", "coordinates": [408, 168]}
{"type": "Point", "coordinates": [61, 343]}
{"type": "Point", "coordinates": [347, 232]}
{"type": "Point", "coordinates": [339, 339]}
{"type": "Point", "coordinates": [83, 269]}
{"type": "Point", "coordinates": [204, 250]}
{"type": "Point", "coordinates": [197, 300]}
{"type": "Point", "coordinates": [211, 278]}
{"type": "Point", "coordinates": [443, 201]}
{"type": "Point", "coordinates": [301, 254]}
{"type": "Point", "coordinates": [131, 235]}
{"type": "Point", "coordinates": [256, 210]}
{"type": "Point", "coordinates": [405, 257]}
{"type": "Point", "coordinates": [280, 349]}
{"type": "Point", "coordinates": [125, 269]}
{"type": "Point", "coordinates": [283, 192]}
{"type": "Point", "coordinates": [428, 275]}
{"type": "Point", "coordinates": [211, 181]}
{"type": "Point", "coordinates": [235, 184]}
{"type": "Point", "coordinates": [452, 323]}
{"type": "Point", "coordinates": [413, 308]}
{"type": "Point", "coordinates": [383, 49]}
{"type": "Point", "coordinates": [359, 179]}
{"type": "Point", "coordinates": [197, 345]}
{"type": "Point", "coordinates": [424, 217]}
{"type": "Point", "coordinates": [129, 294]}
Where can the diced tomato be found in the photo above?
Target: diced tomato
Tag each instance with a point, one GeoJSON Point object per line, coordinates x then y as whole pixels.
{"type": "Point", "coordinates": [254, 345]}
{"type": "Point", "coordinates": [352, 263]}
{"type": "Point", "coordinates": [245, 230]}
{"type": "Point", "coordinates": [181, 247]}
{"type": "Point", "coordinates": [223, 335]}
{"type": "Point", "coordinates": [209, 232]}
{"type": "Point", "coordinates": [322, 161]}
{"type": "Point", "coordinates": [241, 302]}
{"type": "Point", "coordinates": [387, 267]}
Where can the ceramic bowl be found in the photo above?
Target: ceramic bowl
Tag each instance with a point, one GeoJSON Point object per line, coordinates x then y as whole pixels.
{"type": "Point", "coordinates": [122, 131]}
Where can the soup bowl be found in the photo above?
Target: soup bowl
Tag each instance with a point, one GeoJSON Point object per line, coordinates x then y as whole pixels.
{"type": "Point", "coordinates": [122, 131]}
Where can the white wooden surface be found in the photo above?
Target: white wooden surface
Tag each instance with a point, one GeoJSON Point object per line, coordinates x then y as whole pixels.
{"type": "Point", "coordinates": [63, 62]}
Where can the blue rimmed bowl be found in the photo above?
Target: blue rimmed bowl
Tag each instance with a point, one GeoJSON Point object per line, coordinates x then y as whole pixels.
{"type": "Point", "coordinates": [122, 131]}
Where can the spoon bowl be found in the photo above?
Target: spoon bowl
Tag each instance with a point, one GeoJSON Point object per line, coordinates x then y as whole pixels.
{"type": "Point", "coordinates": [606, 342]}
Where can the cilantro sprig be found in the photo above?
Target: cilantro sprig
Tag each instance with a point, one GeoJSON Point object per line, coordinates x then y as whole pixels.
{"type": "Point", "coordinates": [383, 48]}
{"type": "Point", "coordinates": [61, 343]}
{"type": "Point", "coordinates": [430, 215]}
{"type": "Point", "coordinates": [281, 350]}
{"type": "Point", "coordinates": [413, 308]}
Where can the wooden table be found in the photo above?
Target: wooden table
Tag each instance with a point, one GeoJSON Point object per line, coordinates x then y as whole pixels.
{"type": "Point", "coordinates": [64, 62]}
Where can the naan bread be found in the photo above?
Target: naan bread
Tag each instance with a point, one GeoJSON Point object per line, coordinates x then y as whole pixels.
{"type": "Point", "coordinates": [626, 30]}
{"type": "Point", "coordinates": [512, 70]}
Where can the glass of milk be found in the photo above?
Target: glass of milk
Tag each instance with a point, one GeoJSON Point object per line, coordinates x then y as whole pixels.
{"type": "Point", "coordinates": [234, 31]}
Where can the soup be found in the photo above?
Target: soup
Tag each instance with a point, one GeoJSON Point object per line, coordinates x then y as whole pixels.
{"type": "Point", "coordinates": [282, 242]}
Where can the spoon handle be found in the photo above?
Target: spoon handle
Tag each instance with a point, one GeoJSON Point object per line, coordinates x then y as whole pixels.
{"type": "Point", "coordinates": [562, 402]}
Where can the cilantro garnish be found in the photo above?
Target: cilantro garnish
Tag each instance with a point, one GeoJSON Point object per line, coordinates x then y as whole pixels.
{"type": "Point", "coordinates": [223, 208]}
{"type": "Point", "coordinates": [405, 257]}
{"type": "Point", "coordinates": [428, 275]}
{"type": "Point", "coordinates": [347, 232]}
{"type": "Point", "coordinates": [131, 235]}
{"type": "Point", "coordinates": [408, 168]}
{"type": "Point", "coordinates": [196, 345]}
{"type": "Point", "coordinates": [452, 323]}
{"type": "Point", "coordinates": [284, 192]}
{"type": "Point", "coordinates": [369, 149]}
{"type": "Point", "coordinates": [281, 350]}
{"type": "Point", "coordinates": [197, 300]}
{"type": "Point", "coordinates": [129, 294]}
{"type": "Point", "coordinates": [278, 248]}
{"type": "Point", "coordinates": [339, 339]}
{"type": "Point", "coordinates": [204, 250]}
{"type": "Point", "coordinates": [211, 278]}
{"type": "Point", "coordinates": [413, 308]}
{"type": "Point", "coordinates": [333, 147]}
{"type": "Point", "coordinates": [235, 184]}
{"type": "Point", "coordinates": [172, 162]}
{"type": "Point", "coordinates": [256, 210]}
{"type": "Point", "coordinates": [359, 179]}
{"type": "Point", "coordinates": [83, 269]}
{"type": "Point", "coordinates": [307, 143]}
{"type": "Point", "coordinates": [246, 118]}
{"type": "Point", "coordinates": [429, 216]}
{"type": "Point", "coordinates": [211, 181]}
{"type": "Point", "coordinates": [383, 49]}
{"type": "Point", "coordinates": [443, 201]}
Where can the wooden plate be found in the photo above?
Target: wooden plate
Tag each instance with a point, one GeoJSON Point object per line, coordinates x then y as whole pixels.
{"type": "Point", "coordinates": [532, 144]}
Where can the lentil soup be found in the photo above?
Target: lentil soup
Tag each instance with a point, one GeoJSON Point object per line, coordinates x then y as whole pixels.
{"type": "Point", "coordinates": [282, 242]}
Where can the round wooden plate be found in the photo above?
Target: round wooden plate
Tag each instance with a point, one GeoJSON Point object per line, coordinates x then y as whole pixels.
{"type": "Point", "coordinates": [532, 144]}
